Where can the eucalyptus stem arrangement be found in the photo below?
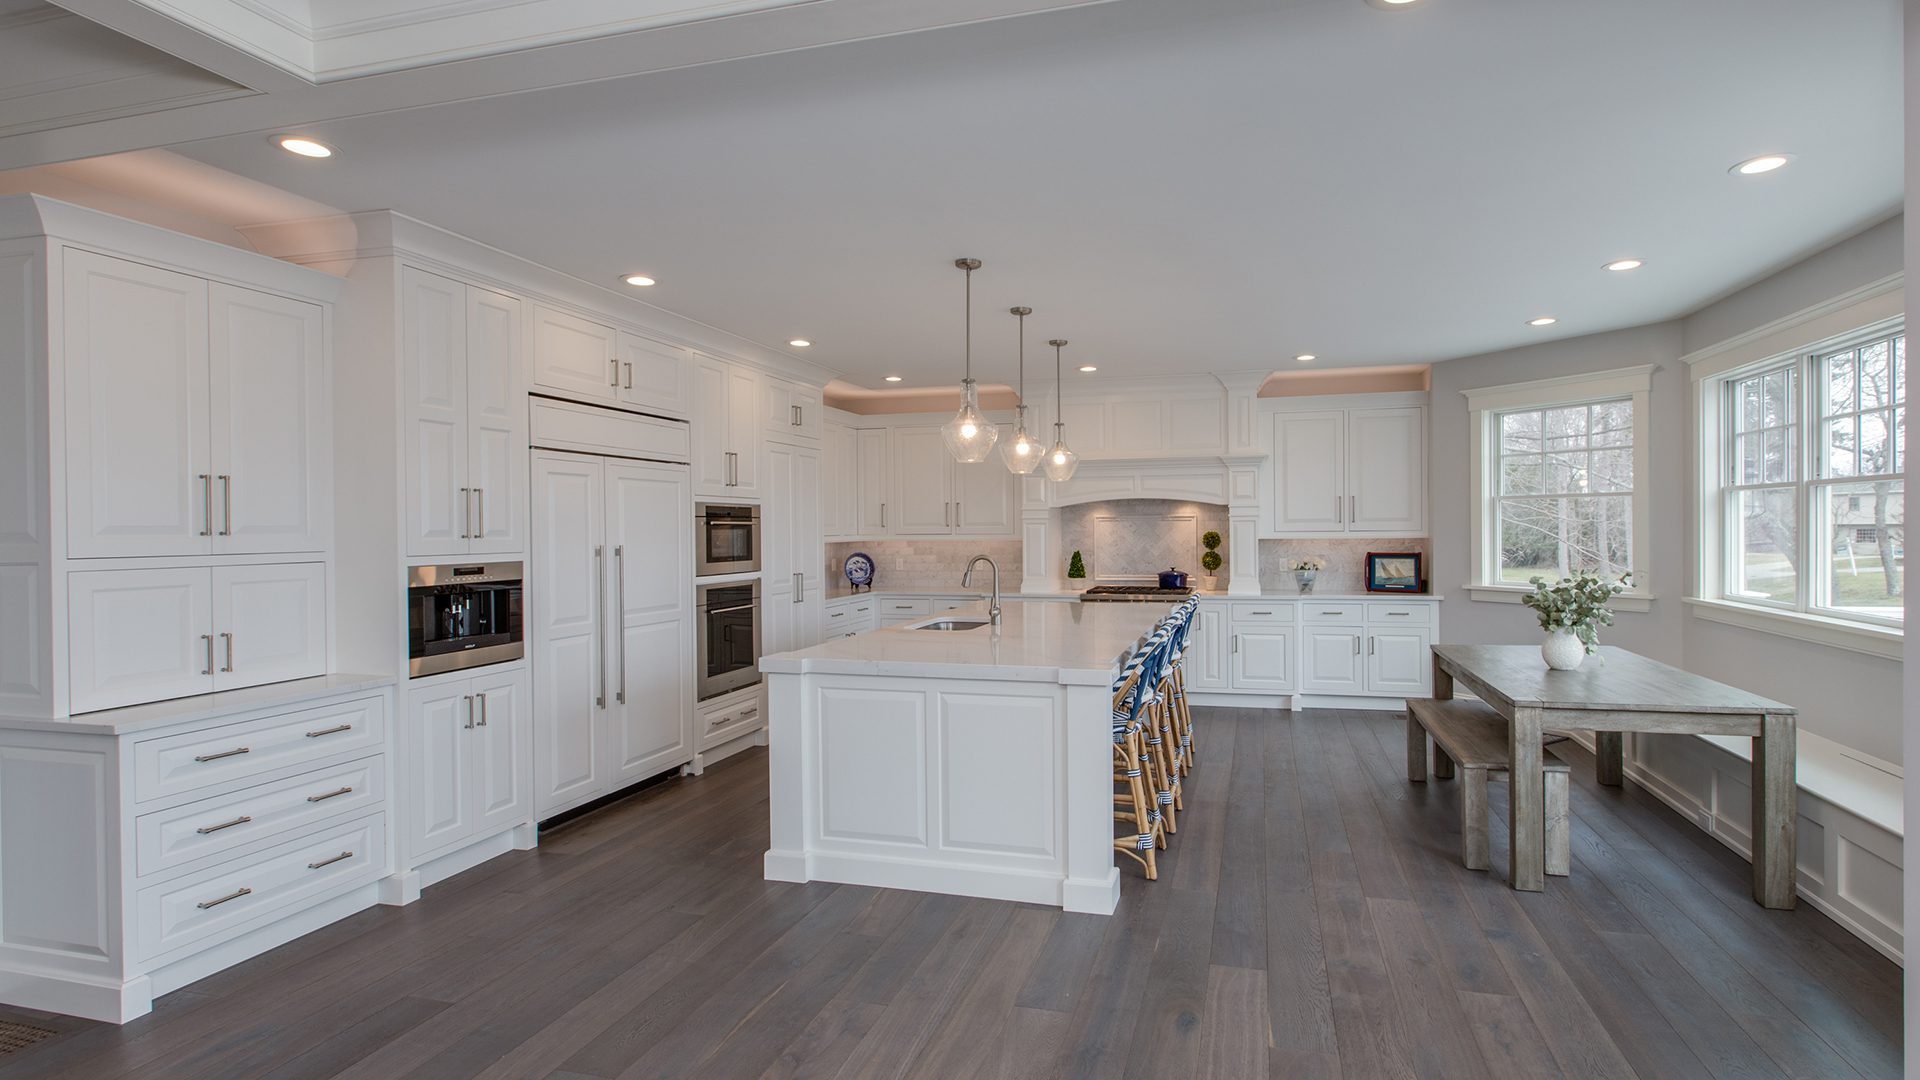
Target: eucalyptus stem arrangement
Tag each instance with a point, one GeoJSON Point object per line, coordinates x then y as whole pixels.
{"type": "Point", "coordinates": [1575, 606]}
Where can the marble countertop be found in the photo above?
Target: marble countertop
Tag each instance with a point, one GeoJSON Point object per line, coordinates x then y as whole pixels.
{"type": "Point", "coordinates": [1058, 641]}
{"type": "Point", "coordinates": [845, 592]}
{"type": "Point", "coordinates": [160, 714]}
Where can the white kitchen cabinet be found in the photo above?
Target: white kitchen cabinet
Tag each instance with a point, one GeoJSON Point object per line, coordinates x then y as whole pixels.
{"type": "Point", "coordinates": [1356, 471]}
{"type": "Point", "coordinates": [1263, 658]}
{"type": "Point", "coordinates": [465, 756]}
{"type": "Point", "coordinates": [655, 376]}
{"type": "Point", "coordinates": [934, 495]}
{"type": "Point", "coordinates": [465, 417]}
{"type": "Point", "coordinates": [791, 409]}
{"type": "Point", "coordinates": [793, 561]}
{"type": "Point", "coordinates": [839, 482]}
{"type": "Point", "coordinates": [1400, 661]}
{"type": "Point", "coordinates": [651, 712]}
{"type": "Point", "coordinates": [270, 623]}
{"type": "Point", "coordinates": [726, 429]}
{"type": "Point", "coordinates": [1209, 653]}
{"type": "Point", "coordinates": [1332, 660]}
{"type": "Point", "coordinates": [575, 357]}
{"type": "Point", "coordinates": [270, 433]}
{"type": "Point", "coordinates": [873, 480]}
{"type": "Point", "coordinates": [566, 606]}
{"type": "Point", "coordinates": [983, 497]}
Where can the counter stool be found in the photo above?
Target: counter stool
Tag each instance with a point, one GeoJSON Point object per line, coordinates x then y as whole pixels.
{"type": "Point", "coordinates": [1134, 805]}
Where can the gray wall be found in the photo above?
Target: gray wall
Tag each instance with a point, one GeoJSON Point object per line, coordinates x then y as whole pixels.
{"type": "Point", "coordinates": [1847, 696]}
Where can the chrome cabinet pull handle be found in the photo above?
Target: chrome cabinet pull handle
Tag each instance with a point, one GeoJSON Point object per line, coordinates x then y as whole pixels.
{"type": "Point", "coordinates": [335, 730]}
{"type": "Point", "coordinates": [208, 638]}
{"type": "Point", "coordinates": [1370, 642]}
{"type": "Point", "coordinates": [1356, 646]}
{"type": "Point", "coordinates": [206, 503]}
{"type": "Point", "coordinates": [226, 505]}
{"type": "Point", "coordinates": [883, 515]}
{"type": "Point", "coordinates": [1396, 613]}
{"type": "Point", "coordinates": [204, 758]}
{"type": "Point", "coordinates": [1339, 511]}
{"type": "Point", "coordinates": [229, 638]}
{"type": "Point", "coordinates": [1236, 643]}
{"type": "Point", "coordinates": [748, 714]}
{"type": "Point", "coordinates": [956, 513]}
{"type": "Point", "coordinates": [1329, 613]}
{"type": "Point", "coordinates": [1353, 508]}
{"type": "Point", "coordinates": [480, 513]}
{"type": "Point", "coordinates": [483, 709]}
{"type": "Point", "coordinates": [1259, 612]}
{"type": "Point", "coordinates": [616, 373]}
{"type": "Point", "coordinates": [466, 513]}
{"type": "Point", "coordinates": [629, 385]}
{"type": "Point", "coordinates": [334, 794]}
{"type": "Point", "coordinates": [469, 724]}
{"type": "Point", "coordinates": [620, 601]}
{"type": "Point", "coordinates": [217, 901]}
{"type": "Point", "coordinates": [241, 820]}
{"type": "Point", "coordinates": [600, 581]}
{"type": "Point", "coordinates": [330, 862]}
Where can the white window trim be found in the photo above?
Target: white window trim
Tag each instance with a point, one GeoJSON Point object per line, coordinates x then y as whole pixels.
{"type": "Point", "coordinates": [1876, 308]}
{"type": "Point", "coordinates": [1485, 403]}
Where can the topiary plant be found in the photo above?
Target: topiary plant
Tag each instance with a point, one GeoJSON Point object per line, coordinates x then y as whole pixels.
{"type": "Point", "coordinates": [1211, 560]}
{"type": "Point", "coordinates": [1076, 567]}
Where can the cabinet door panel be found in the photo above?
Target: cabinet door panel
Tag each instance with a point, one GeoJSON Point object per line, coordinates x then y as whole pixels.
{"type": "Point", "coordinates": [1208, 650]}
{"type": "Point", "coordinates": [269, 622]}
{"type": "Point", "coordinates": [873, 481]}
{"type": "Point", "coordinates": [574, 356]}
{"type": "Point", "coordinates": [138, 449]}
{"type": "Point", "coordinates": [498, 775]}
{"type": "Point", "coordinates": [1263, 659]}
{"type": "Point", "coordinates": [1309, 472]}
{"type": "Point", "coordinates": [1333, 660]}
{"type": "Point", "coordinates": [271, 445]}
{"type": "Point", "coordinates": [983, 496]}
{"type": "Point", "coordinates": [809, 552]}
{"type": "Point", "coordinates": [1386, 470]}
{"type": "Point", "coordinates": [439, 798]}
{"type": "Point", "coordinates": [839, 488]}
{"type": "Point", "coordinates": [922, 483]}
{"type": "Point", "coordinates": [496, 423]}
{"type": "Point", "coordinates": [138, 635]}
{"type": "Point", "coordinates": [744, 388]}
{"type": "Point", "coordinates": [1400, 662]}
{"type": "Point", "coordinates": [433, 356]}
{"type": "Point", "coordinates": [712, 472]}
{"type": "Point", "coordinates": [655, 376]}
{"type": "Point", "coordinates": [652, 581]}
{"type": "Point", "coordinates": [565, 612]}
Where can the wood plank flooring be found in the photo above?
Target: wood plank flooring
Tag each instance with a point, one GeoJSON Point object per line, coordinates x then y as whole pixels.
{"type": "Point", "coordinates": [1312, 920]}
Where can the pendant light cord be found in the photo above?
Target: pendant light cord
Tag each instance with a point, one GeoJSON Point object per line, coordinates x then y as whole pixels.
{"type": "Point", "coordinates": [969, 324]}
{"type": "Point", "coordinates": [1059, 396]}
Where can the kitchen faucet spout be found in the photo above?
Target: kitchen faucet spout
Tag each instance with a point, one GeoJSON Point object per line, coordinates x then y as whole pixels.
{"type": "Point", "coordinates": [966, 582]}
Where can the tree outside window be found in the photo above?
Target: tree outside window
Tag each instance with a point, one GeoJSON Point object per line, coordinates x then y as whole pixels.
{"type": "Point", "coordinates": [1566, 483]}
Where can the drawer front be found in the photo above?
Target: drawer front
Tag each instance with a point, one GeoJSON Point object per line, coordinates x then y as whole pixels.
{"type": "Point", "coordinates": [228, 900]}
{"type": "Point", "coordinates": [178, 835]}
{"type": "Point", "coordinates": [177, 763]}
{"type": "Point", "coordinates": [726, 724]}
{"type": "Point", "coordinates": [1400, 614]}
{"type": "Point", "coordinates": [1281, 611]}
{"type": "Point", "coordinates": [1343, 612]}
{"type": "Point", "coordinates": [899, 608]}
{"type": "Point", "coordinates": [838, 622]}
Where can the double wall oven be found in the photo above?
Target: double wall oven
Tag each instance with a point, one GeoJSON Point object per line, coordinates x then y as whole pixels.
{"type": "Point", "coordinates": [463, 616]}
{"type": "Point", "coordinates": [729, 629]}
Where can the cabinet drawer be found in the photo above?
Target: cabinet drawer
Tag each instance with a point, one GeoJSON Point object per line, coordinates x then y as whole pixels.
{"type": "Point", "coordinates": [1400, 614]}
{"type": "Point", "coordinates": [1282, 611]}
{"type": "Point", "coordinates": [177, 763]}
{"type": "Point", "coordinates": [897, 607]}
{"type": "Point", "coordinates": [864, 611]}
{"type": "Point", "coordinates": [230, 899]}
{"type": "Point", "coordinates": [1348, 612]}
{"type": "Point", "coordinates": [838, 622]}
{"type": "Point", "coordinates": [176, 836]}
{"type": "Point", "coordinates": [723, 724]}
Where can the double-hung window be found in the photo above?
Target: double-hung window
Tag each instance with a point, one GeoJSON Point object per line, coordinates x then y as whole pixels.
{"type": "Point", "coordinates": [1812, 506]}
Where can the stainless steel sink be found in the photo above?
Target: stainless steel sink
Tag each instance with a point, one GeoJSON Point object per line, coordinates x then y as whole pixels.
{"type": "Point", "coordinates": [951, 624]}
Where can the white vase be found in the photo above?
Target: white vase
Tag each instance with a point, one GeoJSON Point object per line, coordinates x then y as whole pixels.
{"type": "Point", "coordinates": [1304, 579]}
{"type": "Point", "coordinates": [1562, 650]}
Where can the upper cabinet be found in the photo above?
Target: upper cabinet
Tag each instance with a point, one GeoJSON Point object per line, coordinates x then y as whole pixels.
{"type": "Point", "coordinates": [575, 357]}
{"type": "Point", "coordinates": [934, 495]}
{"type": "Point", "coordinates": [655, 376]}
{"type": "Point", "coordinates": [466, 417]}
{"type": "Point", "coordinates": [196, 415]}
{"type": "Point", "coordinates": [792, 409]}
{"type": "Point", "coordinates": [727, 420]}
{"type": "Point", "coordinates": [839, 482]}
{"type": "Point", "coordinates": [1355, 471]}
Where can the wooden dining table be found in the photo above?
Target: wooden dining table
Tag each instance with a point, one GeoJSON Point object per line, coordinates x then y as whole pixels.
{"type": "Point", "coordinates": [1611, 694]}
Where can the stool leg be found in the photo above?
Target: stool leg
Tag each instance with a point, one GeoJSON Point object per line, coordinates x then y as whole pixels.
{"type": "Point", "coordinates": [1473, 819]}
{"type": "Point", "coordinates": [1416, 751]}
{"type": "Point", "coordinates": [1559, 831]}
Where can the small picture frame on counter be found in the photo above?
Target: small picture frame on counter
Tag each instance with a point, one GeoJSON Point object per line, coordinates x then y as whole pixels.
{"type": "Point", "coordinates": [1395, 572]}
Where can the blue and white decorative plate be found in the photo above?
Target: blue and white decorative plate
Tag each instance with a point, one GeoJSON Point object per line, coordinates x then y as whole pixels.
{"type": "Point", "coordinates": [860, 570]}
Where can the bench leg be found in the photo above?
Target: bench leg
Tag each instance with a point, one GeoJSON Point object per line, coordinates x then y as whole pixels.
{"type": "Point", "coordinates": [1442, 764]}
{"type": "Point", "coordinates": [1473, 818]}
{"type": "Point", "coordinates": [1559, 830]}
{"type": "Point", "coordinates": [1416, 751]}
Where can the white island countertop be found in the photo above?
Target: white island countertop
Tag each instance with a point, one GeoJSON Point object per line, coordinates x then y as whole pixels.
{"type": "Point", "coordinates": [1056, 641]}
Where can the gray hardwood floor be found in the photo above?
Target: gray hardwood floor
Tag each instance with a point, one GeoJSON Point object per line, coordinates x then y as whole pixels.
{"type": "Point", "coordinates": [1312, 920]}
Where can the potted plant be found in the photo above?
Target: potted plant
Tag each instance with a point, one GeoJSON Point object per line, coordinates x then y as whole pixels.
{"type": "Point", "coordinates": [1211, 560]}
{"type": "Point", "coordinates": [1572, 611]}
{"type": "Point", "coordinates": [1305, 572]}
{"type": "Point", "coordinates": [1076, 567]}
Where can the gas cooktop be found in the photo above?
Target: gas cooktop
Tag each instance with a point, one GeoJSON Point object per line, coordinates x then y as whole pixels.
{"type": "Point", "coordinates": [1134, 592]}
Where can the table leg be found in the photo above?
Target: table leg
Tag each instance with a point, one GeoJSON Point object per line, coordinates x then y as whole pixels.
{"type": "Point", "coordinates": [1442, 681]}
{"type": "Point", "coordinates": [1775, 813]}
{"type": "Point", "coordinates": [1609, 757]}
{"type": "Point", "coordinates": [1526, 802]}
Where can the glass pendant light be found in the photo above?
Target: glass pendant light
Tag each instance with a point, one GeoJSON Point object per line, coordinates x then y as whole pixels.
{"type": "Point", "coordinates": [1060, 461]}
{"type": "Point", "coordinates": [970, 436]}
{"type": "Point", "coordinates": [1022, 452]}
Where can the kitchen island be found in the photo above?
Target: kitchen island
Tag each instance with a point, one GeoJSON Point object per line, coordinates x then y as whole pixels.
{"type": "Point", "coordinates": [974, 761]}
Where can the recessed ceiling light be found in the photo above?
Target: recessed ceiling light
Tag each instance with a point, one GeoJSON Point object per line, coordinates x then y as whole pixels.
{"type": "Point", "coordinates": [1543, 320]}
{"type": "Point", "coordinates": [303, 146]}
{"type": "Point", "coordinates": [1305, 357]}
{"type": "Point", "coordinates": [800, 343]}
{"type": "Point", "coordinates": [1088, 367]}
{"type": "Point", "coordinates": [1625, 264]}
{"type": "Point", "coordinates": [1765, 163]}
{"type": "Point", "coordinates": [893, 378]}
{"type": "Point", "coordinates": [1391, 5]}
{"type": "Point", "coordinates": [638, 281]}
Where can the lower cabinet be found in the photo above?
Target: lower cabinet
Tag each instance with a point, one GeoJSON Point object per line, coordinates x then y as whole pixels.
{"type": "Point", "coordinates": [466, 756]}
{"type": "Point", "coordinates": [1332, 659]}
{"type": "Point", "coordinates": [1263, 658]}
{"type": "Point", "coordinates": [1332, 647]}
{"type": "Point", "coordinates": [1400, 661]}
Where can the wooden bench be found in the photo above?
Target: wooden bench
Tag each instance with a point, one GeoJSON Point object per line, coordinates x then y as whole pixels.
{"type": "Point", "coordinates": [1473, 736]}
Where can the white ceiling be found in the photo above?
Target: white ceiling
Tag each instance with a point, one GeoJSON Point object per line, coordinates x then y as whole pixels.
{"type": "Point", "coordinates": [1178, 185]}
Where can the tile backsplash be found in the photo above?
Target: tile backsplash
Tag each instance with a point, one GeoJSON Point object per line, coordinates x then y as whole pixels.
{"type": "Point", "coordinates": [1345, 562]}
{"type": "Point", "coordinates": [925, 565]}
{"type": "Point", "coordinates": [1133, 539]}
